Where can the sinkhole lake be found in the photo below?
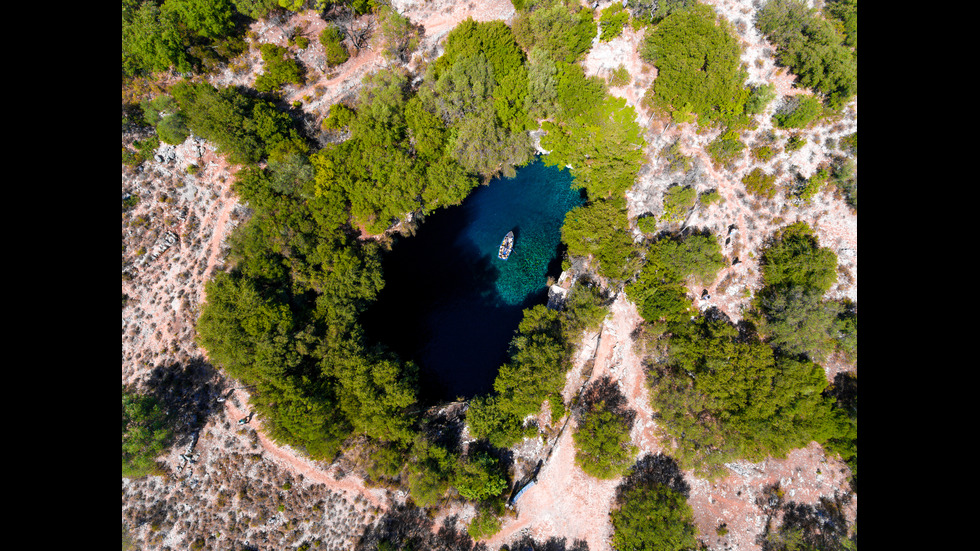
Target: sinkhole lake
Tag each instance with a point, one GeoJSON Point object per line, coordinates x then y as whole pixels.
{"type": "Point", "coordinates": [449, 303]}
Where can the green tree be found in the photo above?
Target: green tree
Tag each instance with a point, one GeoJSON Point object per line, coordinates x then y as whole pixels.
{"type": "Point", "coordinates": [279, 69]}
{"type": "Point", "coordinates": [145, 433]}
{"type": "Point", "coordinates": [151, 40]}
{"type": "Point", "coordinates": [601, 229]}
{"type": "Point", "coordinates": [678, 202]}
{"type": "Point", "coordinates": [659, 289]}
{"type": "Point", "coordinates": [484, 525]}
{"type": "Point", "coordinates": [652, 517]}
{"type": "Point", "coordinates": [603, 145]}
{"type": "Point", "coordinates": [397, 38]}
{"type": "Point", "coordinates": [375, 394]}
{"type": "Point", "coordinates": [430, 472]}
{"type": "Point", "coordinates": [794, 258]}
{"type": "Point", "coordinates": [798, 112]}
{"type": "Point", "coordinates": [602, 443]}
{"type": "Point", "coordinates": [698, 67]}
{"type": "Point", "coordinates": [480, 477]}
{"type": "Point", "coordinates": [332, 40]}
{"type": "Point", "coordinates": [812, 48]}
{"type": "Point", "coordinates": [564, 32]}
{"type": "Point", "coordinates": [612, 20]}
{"type": "Point", "coordinates": [208, 18]}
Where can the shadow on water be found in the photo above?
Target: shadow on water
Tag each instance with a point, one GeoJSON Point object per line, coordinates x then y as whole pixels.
{"type": "Point", "coordinates": [440, 308]}
{"type": "Point", "coordinates": [449, 304]}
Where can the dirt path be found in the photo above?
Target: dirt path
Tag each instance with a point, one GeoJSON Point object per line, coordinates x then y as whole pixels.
{"type": "Point", "coordinates": [288, 458]}
{"type": "Point", "coordinates": [565, 501]}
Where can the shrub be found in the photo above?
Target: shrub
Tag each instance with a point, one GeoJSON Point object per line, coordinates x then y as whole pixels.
{"type": "Point", "coordinates": [798, 112]}
{"type": "Point", "coordinates": [677, 202]}
{"type": "Point", "coordinates": [279, 69]}
{"type": "Point", "coordinates": [612, 20]}
{"type": "Point", "coordinates": [725, 148]}
{"type": "Point", "coordinates": [759, 183]}
{"type": "Point", "coordinates": [333, 47]}
{"type": "Point", "coordinates": [619, 76]}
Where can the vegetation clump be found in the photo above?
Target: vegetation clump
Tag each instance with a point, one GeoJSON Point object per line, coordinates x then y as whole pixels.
{"type": "Point", "coordinates": [333, 48]}
{"type": "Point", "coordinates": [602, 437]}
{"type": "Point", "coordinates": [612, 20]}
{"type": "Point", "coordinates": [698, 68]}
{"type": "Point", "coordinates": [812, 48]}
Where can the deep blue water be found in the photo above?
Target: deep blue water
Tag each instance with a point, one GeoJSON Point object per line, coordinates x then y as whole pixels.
{"type": "Point", "coordinates": [449, 303]}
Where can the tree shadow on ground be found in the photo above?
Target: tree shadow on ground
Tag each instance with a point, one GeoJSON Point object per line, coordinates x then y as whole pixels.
{"type": "Point", "coordinates": [551, 544]}
{"type": "Point", "coordinates": [409, 527]}
{"type": "Point", "coordinates": [188, 392]}
{"type": "Point", "coordinates": [822, 525]}
{"type": "Point", "coordinates": [655, 469]}
{"type": "Point", "coordinates": [606, 390]}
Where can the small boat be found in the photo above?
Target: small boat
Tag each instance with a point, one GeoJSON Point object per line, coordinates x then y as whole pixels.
{"type": "Point", "coordinates": [506, 246]}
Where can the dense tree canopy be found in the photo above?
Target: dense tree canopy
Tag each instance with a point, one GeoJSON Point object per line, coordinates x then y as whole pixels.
{"type": "Point", "coordinates": [812, 48]}
{"type": "Point", "coordinates": [659, 290]}
{"type": "Point", "coordinates": [653, 517]}
{"type": "Point", "coordinates": [145, 432]}
{"type": "Point", "coordinates": [723, 397]}
{"type": "Point", "coordinates": [698, 67]}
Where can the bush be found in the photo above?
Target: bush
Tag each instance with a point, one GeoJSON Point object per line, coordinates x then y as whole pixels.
{"type": "Point", "coordinates": [619, 76]}
{"type": "Point", "coordinates": [677, 202]}
{"type": "Point", "coordinates": [760, 184]}
{"type": "Point", "coordinates": [698, 68]}
{"type": "Point", "coordinates": [278, 69]}
{"type": "Point", "coordinates": [612, 20]}
{"type": "Point", "coordinates": [798, 112]}
{"type": "Point", "coordinates": [333, 47]}
{"type": "Point", "coordinates": [726, 148]}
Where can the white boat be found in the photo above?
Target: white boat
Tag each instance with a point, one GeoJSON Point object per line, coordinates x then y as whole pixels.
{"type": "Point", "coordinates": [506, 246]}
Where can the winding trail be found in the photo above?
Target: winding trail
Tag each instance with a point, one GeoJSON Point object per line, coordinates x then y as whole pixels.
{"type": "Point", "coordinates": [288, 458]}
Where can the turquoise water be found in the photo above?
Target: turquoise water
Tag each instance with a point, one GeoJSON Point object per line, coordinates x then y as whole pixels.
{"type": "Point", "coordinates": [449, 303]}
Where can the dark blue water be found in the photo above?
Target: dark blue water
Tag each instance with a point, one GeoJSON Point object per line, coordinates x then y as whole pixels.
{"type": "Point", "coordinates": [449, 303]}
